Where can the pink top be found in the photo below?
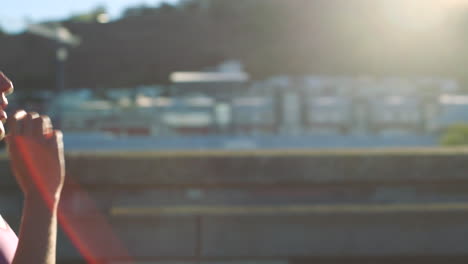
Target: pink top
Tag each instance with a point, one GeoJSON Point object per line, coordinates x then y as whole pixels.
{"type": "Point", "coordinates": [8, 242]}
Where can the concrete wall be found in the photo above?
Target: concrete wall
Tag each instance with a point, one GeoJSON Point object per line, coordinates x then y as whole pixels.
{"type": "Point", "coordinates": [272, 207]}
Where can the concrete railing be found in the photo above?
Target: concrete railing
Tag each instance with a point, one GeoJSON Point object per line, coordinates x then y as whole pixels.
{"type": "Point", "coordinates": [269, 206]}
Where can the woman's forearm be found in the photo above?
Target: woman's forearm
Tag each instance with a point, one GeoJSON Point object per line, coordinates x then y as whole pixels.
{"type": "Point", "coordinates": [38, 233]}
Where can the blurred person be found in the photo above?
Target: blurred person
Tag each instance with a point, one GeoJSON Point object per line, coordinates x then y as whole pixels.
{"type": "Point", "coordinates": [37, 162]}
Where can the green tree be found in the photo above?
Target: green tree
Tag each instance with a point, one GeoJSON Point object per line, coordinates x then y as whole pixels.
{"type": "Point", "coordinates": [455, 135]}
{"type": "Point", "coordinates": [145, 10]}
{"type": "Point", "coordinates": [166, 8]}
{"type": "Point", "coordinates": [89, 17]}
{"type": "Point", "coordinates": [135, 11]}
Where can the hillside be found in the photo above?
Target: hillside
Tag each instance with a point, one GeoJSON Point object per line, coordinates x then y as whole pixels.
{"type": "Point", "coordinates": [269, 36]}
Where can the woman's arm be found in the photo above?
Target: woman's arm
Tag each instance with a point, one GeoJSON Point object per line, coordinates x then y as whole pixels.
{"type": "Point", "coordinates": [38, 232]}
{"type": "Point", "coordinates": [36, 153]}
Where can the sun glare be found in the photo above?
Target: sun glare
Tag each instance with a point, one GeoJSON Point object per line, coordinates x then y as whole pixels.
{"type": "Point", "coordinates": [421, 15]}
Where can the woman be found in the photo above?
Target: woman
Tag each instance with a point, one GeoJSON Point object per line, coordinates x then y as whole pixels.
{"type": "Point", "coordinates": [36, 154]}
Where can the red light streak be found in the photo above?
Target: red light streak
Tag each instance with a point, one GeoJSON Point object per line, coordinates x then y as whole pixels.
{"type": "Point", "coordinates": [94, 239]}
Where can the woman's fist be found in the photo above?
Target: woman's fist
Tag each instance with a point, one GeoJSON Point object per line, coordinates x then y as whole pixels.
{"type": "Point", "coordinates": [36, 153]}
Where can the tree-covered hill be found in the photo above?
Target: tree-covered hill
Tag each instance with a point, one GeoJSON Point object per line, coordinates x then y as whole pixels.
{"type": "Point", "coordinates": [270, 36]}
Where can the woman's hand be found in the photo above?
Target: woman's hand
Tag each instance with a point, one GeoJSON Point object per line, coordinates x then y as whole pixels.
{"type": "Point", "coordinates": [36, 152]}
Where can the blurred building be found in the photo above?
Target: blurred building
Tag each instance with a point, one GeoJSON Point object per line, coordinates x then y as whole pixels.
{"type": "Point", "coordinates": [225, 81]}
{"type": "Point", "coordinates": [329, 114]}
{"type": "Point", "coordinates": [396, 114]}
{"type": "Point", "coordinates": [453, 109]}
{"type": "Point", "coordinates": [222, 101]}
{"type": "Point", "coordinates": [253, 115]}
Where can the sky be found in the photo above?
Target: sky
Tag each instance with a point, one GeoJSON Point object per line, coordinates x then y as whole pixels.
{"type": "Point", "coordinates": [14, 14]}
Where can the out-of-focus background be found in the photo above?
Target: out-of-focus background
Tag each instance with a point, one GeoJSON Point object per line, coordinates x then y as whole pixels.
{"type": "Point", "coordinates": [241, 74]}
{"type": "Point", "coordinates": [253, 131]}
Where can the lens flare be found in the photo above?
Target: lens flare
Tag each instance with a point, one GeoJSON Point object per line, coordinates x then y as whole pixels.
{"type": "Point", "coordinates": [86, 236]}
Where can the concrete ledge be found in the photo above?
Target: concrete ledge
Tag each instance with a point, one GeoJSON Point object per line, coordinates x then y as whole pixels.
{"type": "Point", "coordinates": [240, 205]}
{"type": "Point", "coordinates": [270, 167]}
{"type": "Point", "coordinates": [419, 234]}
{"type": "Point", "coordinates": [262, 167]}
